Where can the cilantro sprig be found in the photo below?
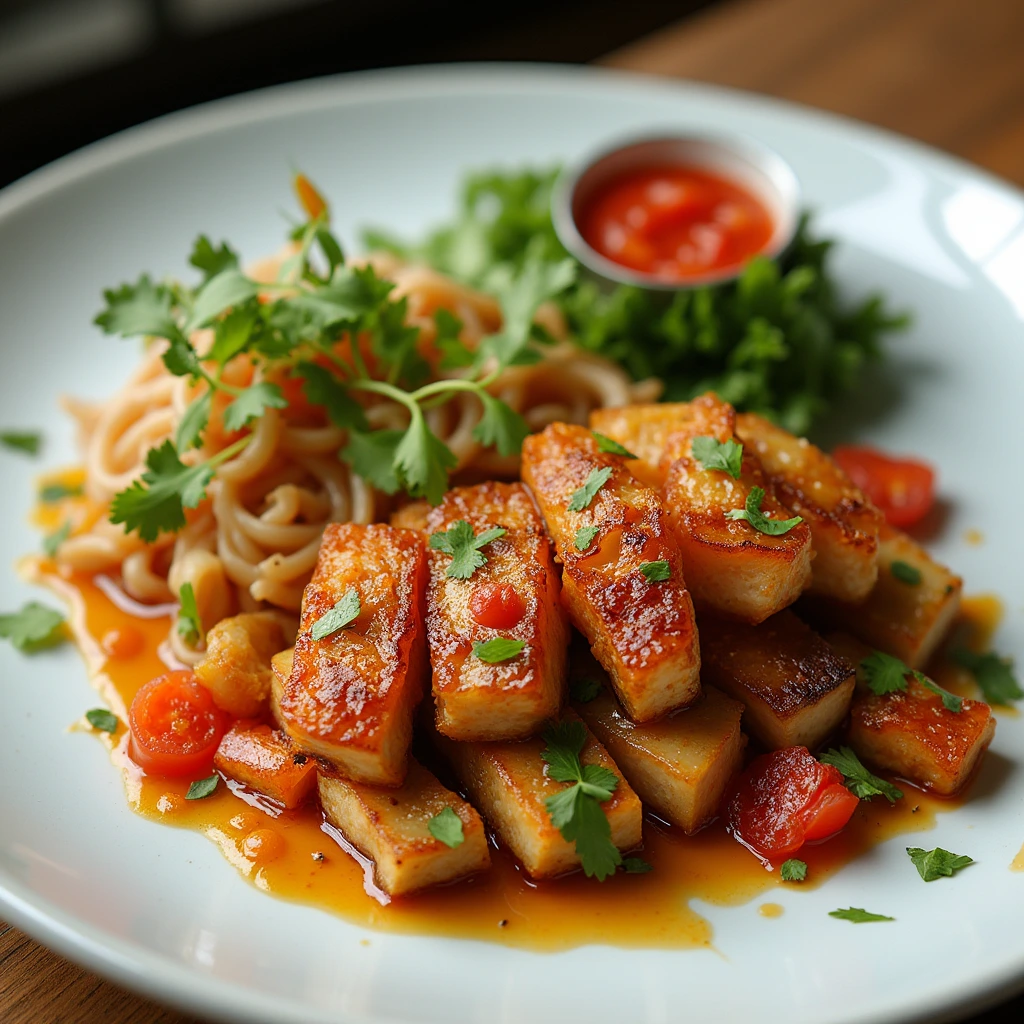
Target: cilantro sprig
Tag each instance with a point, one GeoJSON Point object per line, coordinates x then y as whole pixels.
{"type": "Point", "coordinates": [937, 863]}
{"type": "Point", "coordinates": [885, 674]}
{"type": "Point", "coordinates": [190, 625]}
{"type": "Point", "coordinates": [33, 628]}
{"type": "Point", "coordinates": [752, 513]}
{"type": "Point", "coordinates": [994, 675]}
{"type": "Point", "coordinates": [726, 456]}
{"type": "Point", "coordinates": [859, 781]}
{"type": "Point", "coordinates": [464, 546]}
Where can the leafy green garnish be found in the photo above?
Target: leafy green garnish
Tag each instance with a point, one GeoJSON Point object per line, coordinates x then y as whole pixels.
{"type": "Point", "coordinates": [758, 520]}
{"type": "Point", "coordinates": [344, 613]}
{"type": "Point", "coordinates": [446, 828]}
{"type": "Point", "coordinates": [583, 496]}
{"type": "Point", "coordinates": [583, 691]}
{"type": "Point", "coordinates": [190, 626]}
{"type": "Point", "coordinates": [25, 441]}
{"type": "Point", "coordinates": [994, 675]}
{"type": "Point", "coordinates": [202, 788]}
{"type": "Point", "coordinates": [713, 454]}
{"type": "Point", "coordinates": [497, 649]}
{"type": "Point", "coordinates": [610, 446]}
{"type": "Point", "coordinates": [252, 403]}
{"type": "Point", "coordinates": [656, 572]}
{"type": "Point", "coordinates": [576, 812]}
{"type": "Point", "coordinates": [937, 863]}
{"type": "Point", "coordinates": [33, 628]}
{"type": "Point", "coordinates": [52, 493]}
{"type": "Point", "coordinates": [859, 781]}
{"type": "Point", "coordinates": [53, 541]}
{"type": "Point", "coordinates": [905, 573]}
{"type": "Point", "coordinates": [464, 546]}
{"type": "Point", "coordinates": [793, 870]}
{"type": "Point", "coordinates": [858, 916]}
{"type": "Point", "coordinates": [102, 719]}
{"type": "Point", "coordinates": [585, 537]}
{"type": "Point", "coordinates": [636, 866]}
{"type": "Point", "coordinates": [885, 674]}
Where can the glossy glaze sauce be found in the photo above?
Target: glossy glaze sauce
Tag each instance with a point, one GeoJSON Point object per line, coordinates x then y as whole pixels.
{"type": "Point", "coordinates": [296, 856]}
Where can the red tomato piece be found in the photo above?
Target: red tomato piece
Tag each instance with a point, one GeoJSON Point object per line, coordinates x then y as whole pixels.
{"type": "Point", "coordinates": [903, 489]}
{"type": "Point", "coordinates": [496, 605]}
{"type": "Point", "coordinates": [175, 726]}
{"type": "Point", "coordinates": [785, 799]}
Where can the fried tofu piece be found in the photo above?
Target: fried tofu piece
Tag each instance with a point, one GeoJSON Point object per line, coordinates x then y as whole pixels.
{"type": "Point", "coordinates": [281, 669]}
{"type": "Point", "coordinates": [642, 632]}
{"type": "Point", "coordinates": [730, 567]}
{"type": "Point", "coordinates": [474, 699]}
{"type": "Point", "coordinates": [796, 689]}
{"type": "Point", "coordinates": [911, 734]}
{"type": "Point", "coordinates": [905, 620]}
{"type": "Point", "coordinates": [265, 760]}
{"type": "Point", "coordinates": [645, 431]}
{"type": "Point", "coordinates": [844, 524]}
{"type": "Point", "coordinates": [391, 827]}
{"type": "Point", "coordinates": [236, 668]}
{"type": "Point", "coordinates": [509, 784]}
{"type": "Point", "coordinates": [350, 697]}
{"type": "Point", "coordinates": [681, 765]}
{"type": "Point", "coordinates": [412, 516]}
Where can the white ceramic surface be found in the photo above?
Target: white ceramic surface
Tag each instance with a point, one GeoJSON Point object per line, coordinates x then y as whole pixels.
{"type": "Point", "coordinates": [157, 908]}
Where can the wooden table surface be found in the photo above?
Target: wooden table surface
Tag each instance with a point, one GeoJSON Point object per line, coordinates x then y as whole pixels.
{"type": "Point", "coordinates": [947, 72]}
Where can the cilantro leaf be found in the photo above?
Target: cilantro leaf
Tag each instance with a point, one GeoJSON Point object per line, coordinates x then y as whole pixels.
{"type": "Point", "coordinates": [33, 628]}
{"type": "Point", "coordinates": [464, 546]}
{"type": "Point", "coordinates": [636, 866]}
{"type": "Point", "coordinates": [343, 614]}
{"type": "Point", "coordinates": [422, 461]}
{"type": "Point", "coordinates": [220, 293]}
{"type": "Point", "coordinates": [22, 441]}
{"type": "Point", "coordinates": [858, 915]}
{"type": "Point", "coordinates": [582, 497]}
{"type": "Point", "coordinates": [233, 333]}
{"type": "Point", "coordinates": [102, 719]}
{"type": "Point", "coordinates": [52, 493]}
{"type": "Point", "coordinates": [859, 781]}
{"type": "Point", "coordinates": [713, 454]}
{"type": "Point", "coordinates": [656, 572]}
{"type": "Point", "coordinates": [994, 675]}
{"type": "Point", "coordinates": [446, 828]}
{"type": "Point", "coordinates": [611, 447]}
{"type": "Point", "coordinates": [883, 673]}
{"type": "Point", "coordinates": [156, 503]}
{"type": "Point", "coordinates": [371, 455]}
{"type": "Point", "coordinates": [950, 701]}
{"type": "Point", "coordinates": [937, 863]}
{"type": "Point", "coordinates": [252, 403]}
{"type": "Point", "coordinates": [330, 247]}
{"type": "Point", "coordinates": [202, 788]}
{"type": "Point", "coordinates": [53, 541]}
{"type": "Point", "coordinates": [140, 308]}
{"type": "Point", "coordinates": [905, 573]}
{"type": "Point", "coordinates": [758, 520]}
{"type": "Point", "coordinates": [793, 870]}
{"type": "Point", "coordinates": [193, 422]}
{"type": "Point", "coordinates": [583, 691]}
{"type": "Point", "coordinates": [181, 358]}
{"type": "Point", "coordinates": [321, 387]}
{"type": "Point", "coordinates": [501, 426]}
{"type": "Point", "coordinates": [351, 294]}
{"type": "Point", "coordinates": [585, 537]}
{"type": "Point", "coordinates": [190, 626]}
{"type": "Point", "coordinates": [212, 260]}
{"type": "Point", "coordinates": [454, 352]}
{"type": "Point", "coordinates": [498, 649]}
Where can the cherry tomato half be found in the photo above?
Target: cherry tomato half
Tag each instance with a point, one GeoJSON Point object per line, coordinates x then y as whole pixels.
{"type": "Point", "coordinates": [175, 726]}
{"type": "Point", "coordinates": [785, 799]}
{"type": "Point", "coordinates": [903, 489]}
{"type": "Point", "coordinates": [496, 605]}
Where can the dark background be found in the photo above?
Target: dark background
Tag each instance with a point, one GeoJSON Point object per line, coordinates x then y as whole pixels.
{"type": "Point", "coordinates": [73, 71]}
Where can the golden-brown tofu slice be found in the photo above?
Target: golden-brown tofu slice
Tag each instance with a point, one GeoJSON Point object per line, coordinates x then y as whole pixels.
{"type": "Point", "coordinates": [906, 620]}
{"type": "Point", "coordinates": [796, 689]}
{"type": "Point", "coordinates": [392, 828]}
{"type": "Point", "coordinates": [475, 699]}
{"type": "Point", "coordinates": [281, 670]}
{"type": "Point", "coordinates": [911, 733]}
{"type": "Point", "coordinates": [236, 668]}
{"type": "Point", "coordinates": [641, 631]}
{"type": "Point", "coordinates": [844, 524]}
{"type": "Point", "coordinates": [645, 431]}
{"type": "Point", "coordinates": [509, 784]}
{"type": "Point", "coordinates": [265, 760]}
{"type": "Point", "coordinates": [679, 766]}
{"type": "Point", "coordinates": [351, 695]}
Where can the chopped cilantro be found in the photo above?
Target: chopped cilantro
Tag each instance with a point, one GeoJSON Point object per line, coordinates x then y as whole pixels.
{"type": "Point", "coordinates": [53, 541]}
{"type": "Point", "coordinates": [252, 403]}
{"type": "Point", "coordinates": [906, 573]}
{"type": "Point", "coordinates": [52, 493]}
{"type": "Point", "coordinates": [202, 788]}
{"type": "Point", "coordinates": [885, 674]}
{"type": "Point", "coordinates": [498, 649]}
{"type": "Point", "coordinates": [582, 497]}
{"type": "Point", "coordinates": [583, 691]}
{"type": "Point", "coordinates": [793, 870]}
{"type": "Point", "coordinates": [33, 628]}
{"type": "Point", "coordinates": [464, 546]}
{"type": "Point", "coordinates": [343, 614]}
{"type": "Point", "coordinates": [585, 537]}
{"type": "Point", "coordinates": [859, 780]}
{"type": "Point", "coordinates": [994, 675]}
{"type": "Point", "coordinates": [25, 441]}
{"type": "Point", "coordinates": [636, 866]}
{"type": "Point", "coordinates": [713, 454]}
{"type": "Point", "coordinates": [656, 572]}
{"type": "Point", "coordinates": [190, 626]}
{"type": "Point", "coordinates": [102, 719]}
{"type": "Point", "coordinates": [937, 863]}
{"type": "Point", "coordinates": [758, 520]}
{"type": "Point", "coordinates": [611, 447]}
{"type": "Point", "coordinates": [446, 828]}
{"type": "Point", "coordinates": [858, 916]}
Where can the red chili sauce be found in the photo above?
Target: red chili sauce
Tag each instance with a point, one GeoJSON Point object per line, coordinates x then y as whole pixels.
{"type": "Point", "coordinates": [675, 222]}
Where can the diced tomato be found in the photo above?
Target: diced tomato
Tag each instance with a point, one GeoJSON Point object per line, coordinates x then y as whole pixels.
{"type": "Point", "coordinates": [785, 799]}
{"type": "Point", "coordinates": [903, 489]}
{"type": "Point", "coordinates": [496, 605]}
{"type": "Point", "coordinates": [175, 726]}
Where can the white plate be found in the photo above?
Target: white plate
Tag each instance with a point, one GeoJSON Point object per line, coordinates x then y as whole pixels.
{"type": "Point", "coordinates": [157, 908]}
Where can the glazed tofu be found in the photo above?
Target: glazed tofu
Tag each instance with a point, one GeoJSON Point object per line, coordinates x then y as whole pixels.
{"type": "Point", "coordinates": [351, 695]}
{"type": "Point", "coordinates": [281, 670]}
{"type": "Point", "coordinates": [475, 699]}
{"type": "Point", "coordinates": [796, 689]}
{"type": "Point", "coordinates": [509, 783]}
{"type": "Point", "coordinates": [392, 828]}
{"type": "Point", "coordinates": [236, 668]}
{"type": "Point", "coordinates": [680, 766]}
{"type": "Point", "coordinates": [911, 734]}
{"type": "Point", "coordinates": [903, 619]}
{"type": "Point", "coordinates": [730, 566]}
{"type": "Point", "coordinates": [844, 524]}
{"type": "Point", "coordinates": [645, 431]}
{"type": "Point", "coordinates": [641, 631]}
{"type": "Point", "coordinates": [265, 760]}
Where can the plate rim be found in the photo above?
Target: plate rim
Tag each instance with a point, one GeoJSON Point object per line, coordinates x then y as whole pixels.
{"type": "Point", "coordinates": [158, 977]}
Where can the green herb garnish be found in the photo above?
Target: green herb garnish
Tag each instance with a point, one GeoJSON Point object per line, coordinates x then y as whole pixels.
{"type": "Point", "coordinates": [636, 866]}
{"type": "Point", "coordinates": [885, 674]}
{"type": "Point", "coordinates": [937, 863]}
{"type": "Point", "coordinates": [859, 781]}
{"type": "Point", "coordinates": [202, 788]}
{"type": "Point", "coordinates": [611, 447]}
{"type": "Point", "coordinates": [25, 441]}
{"type": "Point", "coordinates": [464, 546]}
{"type": "Point", "coordinates": [758, 520]}
{"type": "Point", "coordinates": [497, 649]}
{"type": "Point", "coordinates": [52, 493]}
{"type": "Point", "coordinates": [858, 915]}
{"type": "Point", "coordinates": [906, 573]}
{"type": "Point", "coordinates": [656, 572]}
{"type": "Point", "coordinates": [53, 541]}
{"type": "Point", "coordinates": [583, 691]}
{"type": "Point", "coordinates": [994, 675]}
{"type": "Point", "coordinates": [582, 497]}
{"type": "Point", "coordinates": [446, 828]}
{"type": "Point", "coordinates": [190, 625]}
{"type": "Point", "coordinates": [585, 537]}
{"type": "Point", "coordinates": [102, 719]}
{"type": "Point", "coordinates": [33, 628]}
{"type": "Point", "coordinates": [793, 870]}
{"type": "Point", "coordinates": [712, 454]}
{"type": "Point", "coordinates": [344, 613]}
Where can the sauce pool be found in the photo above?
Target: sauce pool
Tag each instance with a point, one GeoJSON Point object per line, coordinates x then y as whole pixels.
{"type": "Point", "coordinates": [675, 222]}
